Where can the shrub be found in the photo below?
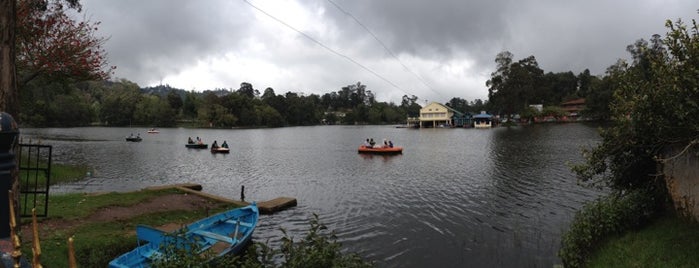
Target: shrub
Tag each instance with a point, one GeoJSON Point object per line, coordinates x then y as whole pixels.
{"type": "Point", "coordinates": [608, 215]}
{"type": "Point", "coordinates": [318, 248]}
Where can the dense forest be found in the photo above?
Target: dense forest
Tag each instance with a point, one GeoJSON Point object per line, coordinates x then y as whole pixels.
{"type": "Point", "coordinates": [123, 103]}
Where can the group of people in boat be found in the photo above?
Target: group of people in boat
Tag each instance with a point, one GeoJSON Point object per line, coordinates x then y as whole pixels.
{"type": "Point", "coordinates": [190, 141]}
{"type": "Point", "coordinates": [215, 145]}
{"type": "Point", "coordinates": [370, 143]}
{"type": "Point", "coordinates": [138, 135]}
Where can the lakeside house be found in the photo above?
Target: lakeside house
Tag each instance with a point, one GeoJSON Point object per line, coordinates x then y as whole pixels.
{"type": "Point", "coordinates": [439, 115]}
{"type": "Point", "coordinates": [573, 109]}
{"type": "Point", "coordinates": [483, 120]}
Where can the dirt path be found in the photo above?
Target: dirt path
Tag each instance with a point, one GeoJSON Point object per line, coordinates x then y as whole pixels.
{"type": "Point", "coordinates": [163, 203]}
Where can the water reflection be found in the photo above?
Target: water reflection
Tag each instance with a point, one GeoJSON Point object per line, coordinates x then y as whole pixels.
{"type": "Point", "coordinates": [454, 198]}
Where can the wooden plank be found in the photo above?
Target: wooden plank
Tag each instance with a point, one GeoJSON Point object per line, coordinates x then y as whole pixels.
{"type": "Point", "coordinates": [215, 197]}
{"type": "Point", "coordinates": [213, 235]}
{"type": "Point", "coordinates": [191, 186]}
{"type": "Point", "coordinates": [266, 207]}
{"type": "Point", "coordinates": [277, 204]}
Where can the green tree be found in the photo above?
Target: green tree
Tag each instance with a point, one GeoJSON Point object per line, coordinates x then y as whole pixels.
{"type": "Point", "coordinates": [459, 104]}
{"type": "Point", "coordinates": [216, 116]}
{"type": "Point", "coordinates": [599, 94]}
{"type": "Point", "coordinates": [269, 116]}
{"type": "Point", "coordinates": [512, 85]}
{"type": "Point", "coordinates": [189, 105]}
{"type": "Point", "coordinates": [174, 100]}
{"type": "Point", "coordinates": [654, 107]}
{"type": "Point", "coordinates": [119, 104]}
{"type": "Point", "coordinates": [152, 110]}
{"type": "Point", "coordinates": [247, 90]}
{"type": "Point", "coordinates": [410, 106]}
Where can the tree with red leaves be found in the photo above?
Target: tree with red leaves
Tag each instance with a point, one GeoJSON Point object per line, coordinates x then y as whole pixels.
{"type": "Point", "coordinates": [52, 44]}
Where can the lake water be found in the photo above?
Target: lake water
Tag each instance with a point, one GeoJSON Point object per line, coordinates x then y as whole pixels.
{"type": "Point", "coordinates": [454, 198]}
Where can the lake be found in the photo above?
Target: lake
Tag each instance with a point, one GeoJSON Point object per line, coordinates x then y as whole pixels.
{"type": "Point", "coordinates": [454, 198]}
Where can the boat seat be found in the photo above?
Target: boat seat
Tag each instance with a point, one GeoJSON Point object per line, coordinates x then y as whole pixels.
{"type": "Point", "coordinates": [241, 223]}
{"type": "Point", "coordinates": [216, 236]}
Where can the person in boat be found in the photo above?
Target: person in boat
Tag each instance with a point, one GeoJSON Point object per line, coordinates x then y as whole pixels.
{"type": "Point", "coordinates": [131, 135]}
{"type": "Point", "coordinates": [372, 142]}
{"type": "Point", "coordinates": [385, 143]}
{"type": "Point", "coordinates": [390, 144]}
{"type": "Point", "coordinates": [189, 140]}
{"type": "Point", "coordinates": [214, 145]}
{"type": "Point", "coordinates": [138, 135]}
{"type": "Point", "coordinates": [366, 144]}
{"type": "Point", "coordinates": [224, 144]}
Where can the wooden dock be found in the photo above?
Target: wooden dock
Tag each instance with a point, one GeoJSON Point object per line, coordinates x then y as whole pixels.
{"type": "Point", "coordinates": [277, 204]}
{"type": "Point", "coordinates": [266, 207]}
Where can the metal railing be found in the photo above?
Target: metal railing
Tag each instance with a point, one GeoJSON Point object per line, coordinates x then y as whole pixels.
{"type": "Point", "coordinates": [34, 178]}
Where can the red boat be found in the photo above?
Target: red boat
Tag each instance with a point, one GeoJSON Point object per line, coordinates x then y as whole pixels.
{"type": "Point", "coordinates": [220, 150]}
{"type": "Point", "coordinates": [381, 150]}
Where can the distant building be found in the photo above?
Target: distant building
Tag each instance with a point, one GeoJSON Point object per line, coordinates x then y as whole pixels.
{"type": "Point", "coordinates": [436, 115]}
{"type": "Point", "coordinates": [573, 108]}
{"type": "Point", "coordinates": [537, 107]}
{"type": "Point", "coordinates": [482, 120]}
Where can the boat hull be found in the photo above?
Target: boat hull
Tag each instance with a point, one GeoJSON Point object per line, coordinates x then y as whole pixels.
{"type": "Point", "coordinates": [220, 150]}
{"type": "Point", "coordinates": [388, 150]}
{"type": "Point", "coordinates": [134, 139]}
{"type": "Point", "coordinates": [233, 228]}
{"type": "Point", "coordinates": [197, 146]}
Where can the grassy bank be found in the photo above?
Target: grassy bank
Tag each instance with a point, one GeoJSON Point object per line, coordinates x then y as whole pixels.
{"type": "Point", "coordinates": [666, 242]}
{"type": "Point", "coordinates": [99, 241]}
{"type": "Point", "coordinates": [60, 173]}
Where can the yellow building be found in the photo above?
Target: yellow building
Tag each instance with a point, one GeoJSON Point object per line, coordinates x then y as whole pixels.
{"type": "Point", "coordinates": [436, 115]}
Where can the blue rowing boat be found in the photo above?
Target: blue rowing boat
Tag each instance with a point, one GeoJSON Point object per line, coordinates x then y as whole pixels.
{"type": "Point", "coordinates": [234, 228]}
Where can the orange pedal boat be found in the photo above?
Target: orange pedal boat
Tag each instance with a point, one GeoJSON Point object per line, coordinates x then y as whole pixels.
{"type": "Point", "coordinates": [381, 150]}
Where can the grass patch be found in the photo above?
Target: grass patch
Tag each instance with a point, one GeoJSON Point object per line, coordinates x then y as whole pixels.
{"type": "Point", "coordinates": [80, 205]}
{"type": "Point", "coordinates": [60, 173]}
{"type": "Point", "coordinates": [98, 242]}
{"type": "Point", "coordinates": [667, 242]}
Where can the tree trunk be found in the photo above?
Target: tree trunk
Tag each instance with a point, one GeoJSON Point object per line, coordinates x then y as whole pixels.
{"type": "Point", "coordinates": [8, 78]}
{"type": "Point", "coordinates": [9, 101]}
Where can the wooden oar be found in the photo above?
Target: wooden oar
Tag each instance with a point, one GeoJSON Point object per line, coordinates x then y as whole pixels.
{"type": "Point", "coordinates": [36, 246]}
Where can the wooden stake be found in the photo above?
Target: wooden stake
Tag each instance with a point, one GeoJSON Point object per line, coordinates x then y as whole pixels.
{"type": "Point", "coordinates": [36, 245]}
{"type": "Point", "coordinates": [71, 254]}
{"type": "Point", "coordinates": [16, 243]}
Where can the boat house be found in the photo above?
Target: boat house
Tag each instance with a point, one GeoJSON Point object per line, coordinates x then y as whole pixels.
{"type": "Point", "coordinates": [436, 115]}
{"type": "Point", "coordinates": [482, 120]}
{"type": "Point", "coordinates": [573, 108]}
{"type": "Point", "coordinates": [462, 119]}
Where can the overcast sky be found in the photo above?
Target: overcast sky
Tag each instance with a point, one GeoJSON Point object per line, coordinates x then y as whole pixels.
{"type": "Point", "coordinates": [434, 49]}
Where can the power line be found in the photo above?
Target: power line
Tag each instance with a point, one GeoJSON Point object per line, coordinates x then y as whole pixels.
{"type": "Point", "coordinates": [326, 47]}
{"type": "Point", "coordinates": [384, 46]}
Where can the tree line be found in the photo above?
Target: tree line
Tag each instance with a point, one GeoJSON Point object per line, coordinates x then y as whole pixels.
{"type": "Point", "coordinates": [515, 85]}
{"type": "Point", "coordinates": [123, 103]}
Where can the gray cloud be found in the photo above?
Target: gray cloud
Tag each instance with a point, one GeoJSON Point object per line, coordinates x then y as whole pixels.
{"type": "Point", "coordinates": [451, 44]}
